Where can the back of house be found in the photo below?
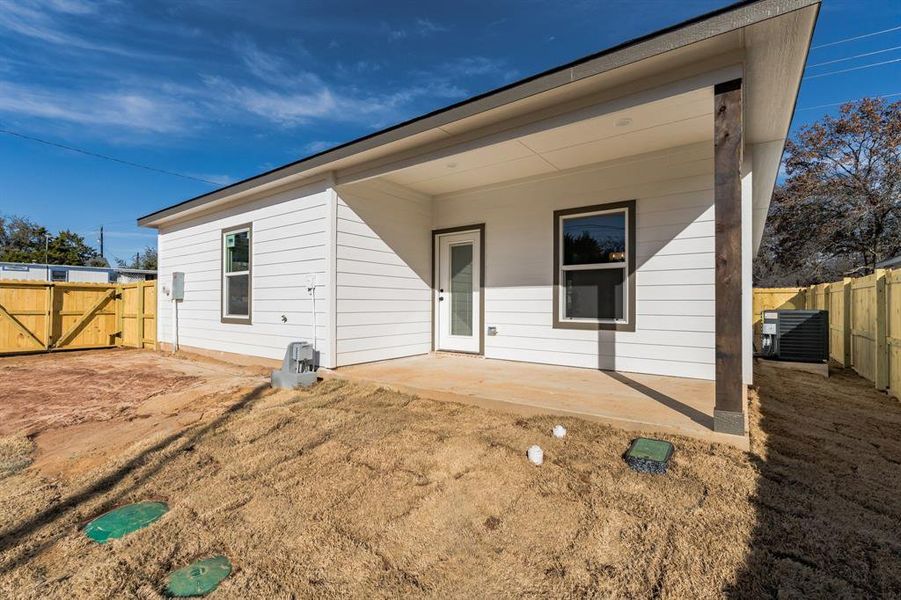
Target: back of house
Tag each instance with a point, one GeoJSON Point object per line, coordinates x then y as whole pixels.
{"type": "Point", "coordinates": [603, 214]}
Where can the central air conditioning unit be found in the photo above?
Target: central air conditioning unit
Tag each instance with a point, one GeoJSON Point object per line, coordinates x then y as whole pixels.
{"type": "Point", "coordinates": [796, 335]}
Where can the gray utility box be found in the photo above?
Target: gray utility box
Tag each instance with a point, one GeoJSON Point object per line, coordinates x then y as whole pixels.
{"type": "Point", "coordinates": [298, 368]}
{"type": "Point", "coordinates": [796, 335]}
{"type": "Point", "coordinates": [178, 286]}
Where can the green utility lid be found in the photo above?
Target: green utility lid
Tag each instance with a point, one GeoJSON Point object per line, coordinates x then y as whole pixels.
{"type": "Point", "coordinates": [648, 455]}
{"type": "Point", "coordinates": [124, 520]}
{"type": "Point", "coordinates": [199, 578]}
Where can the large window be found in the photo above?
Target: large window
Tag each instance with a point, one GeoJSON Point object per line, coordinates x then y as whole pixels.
{"type": "Point", "coordinates": [594, 287]}
{"type": "Point", "coordinates": [236, 274]}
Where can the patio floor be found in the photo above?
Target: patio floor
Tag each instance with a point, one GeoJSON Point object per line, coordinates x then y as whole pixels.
{"type": "Point", "coordinates": [647, 403]}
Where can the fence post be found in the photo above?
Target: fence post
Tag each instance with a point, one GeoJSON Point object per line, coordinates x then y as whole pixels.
{"type": "Point", "coordinates": [846, 321]}
{"type": "Point", "coordinates": [140, 316]}
{"type": "Point", "coordinates": [48, 332]}
{"type": "Point", "coordinates": [120, 321]}
{"type": "Point", "coordinates": [881, 332]}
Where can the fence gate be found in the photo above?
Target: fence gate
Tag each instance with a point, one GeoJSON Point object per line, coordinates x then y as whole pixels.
{"type": "Point", "coordinates": [38, 316]}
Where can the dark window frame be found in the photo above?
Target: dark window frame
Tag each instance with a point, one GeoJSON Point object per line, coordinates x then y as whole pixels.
{"type": "Point", "coordinates": [224, 317]}
{"type": "Point", "coordinates": [54, 272]}
{"type": "Point", "coordinates": [627, 324]}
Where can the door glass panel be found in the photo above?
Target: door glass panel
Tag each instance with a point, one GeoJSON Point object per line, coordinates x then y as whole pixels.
{"type": "Point", "coordinates": [461, 289]}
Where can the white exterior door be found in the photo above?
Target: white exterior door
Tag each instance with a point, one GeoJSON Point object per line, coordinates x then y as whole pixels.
{"type": "Point", "coordinates": [458, 258]}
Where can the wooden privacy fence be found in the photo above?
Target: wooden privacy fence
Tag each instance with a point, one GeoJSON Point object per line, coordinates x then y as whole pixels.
{"type": "Point", "coordinates": [864, 322]}
{"type": "Point", "coordinates": [39, 316]}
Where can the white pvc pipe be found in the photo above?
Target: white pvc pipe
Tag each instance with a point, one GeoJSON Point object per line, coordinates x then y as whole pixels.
{"type": "Point", "coordinates": [174, 325]}
{"type": "Point", "coordinates": [312, 291]}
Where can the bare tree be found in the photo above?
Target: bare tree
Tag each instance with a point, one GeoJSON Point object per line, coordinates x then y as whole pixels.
{"type": "Point", "coordinates": [839, 209]}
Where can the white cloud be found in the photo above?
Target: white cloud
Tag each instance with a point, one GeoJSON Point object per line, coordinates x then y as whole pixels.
{"type": "Point", "coordinates": [260, 83]}
{"type": "Point", "coordinates": [426, 27]}
{"type": "Point", "coordinates": [213, 178]}
{"type": "Point", "coordinates": [40, 20]}
{"type": "Point", "coordinates": [317, 146]}
{"type": "Point", "coordinates": [124, 108]}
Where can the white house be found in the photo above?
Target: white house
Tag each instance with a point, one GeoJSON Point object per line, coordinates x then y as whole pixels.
{"type": "Point", "coordinates": [603, 214]}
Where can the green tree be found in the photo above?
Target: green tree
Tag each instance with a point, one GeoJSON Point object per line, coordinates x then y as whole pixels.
{"type": "Point", "coordinates": [146, 259]}
{"type": "Point", "coordinates": [22, 240]}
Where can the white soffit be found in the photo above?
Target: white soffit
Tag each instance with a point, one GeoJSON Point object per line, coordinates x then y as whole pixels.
{"type": "Point", "coordinates": [674, 121]}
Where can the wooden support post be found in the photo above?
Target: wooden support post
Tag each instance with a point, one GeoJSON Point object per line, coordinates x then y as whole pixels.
{"type": "Point", "coordinates": [729, 411]}
{"type": "Point", "coordinates": [881, 332]}
{"type": "Point", "coordinates": [140, 316]}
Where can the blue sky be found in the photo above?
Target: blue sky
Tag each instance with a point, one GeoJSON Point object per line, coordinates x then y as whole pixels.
{"type": "Point", "coordinates": [220, 90]}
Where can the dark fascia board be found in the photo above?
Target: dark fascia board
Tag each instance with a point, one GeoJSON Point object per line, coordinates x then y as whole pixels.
{"type": "Point", "coordinates": [746, 12]}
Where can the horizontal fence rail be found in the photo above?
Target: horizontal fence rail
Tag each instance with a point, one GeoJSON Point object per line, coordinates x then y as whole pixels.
{"type": "Point", "coordinates": [41, 316]}
{"type": "Point", "coordinates": [864, 322]}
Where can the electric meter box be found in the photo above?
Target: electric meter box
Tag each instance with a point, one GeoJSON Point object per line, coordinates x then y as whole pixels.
{"type": "Point", "coordinates": [178, 286]}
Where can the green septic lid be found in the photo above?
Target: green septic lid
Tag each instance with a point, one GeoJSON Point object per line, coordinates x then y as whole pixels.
{"type": "Point", "coordinates": [648, 449]}
{"type": "Point", "coordinates": [123, 520]}
{"type": "Point", "coordinates": [199, 578]}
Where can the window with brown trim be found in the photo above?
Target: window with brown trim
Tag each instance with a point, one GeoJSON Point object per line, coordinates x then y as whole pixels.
{"type": "Point", "coordinates": [236, 274]}
{"type": "Point", "coordinates": [594, 250]}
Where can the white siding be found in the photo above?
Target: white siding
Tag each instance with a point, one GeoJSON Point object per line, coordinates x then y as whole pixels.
{"type": "Point", "coordinates": [290, 242]}
{"type": "Point", "coordinates": [675, 263]}
{"type": "Point", "coordinates": [384, 273]}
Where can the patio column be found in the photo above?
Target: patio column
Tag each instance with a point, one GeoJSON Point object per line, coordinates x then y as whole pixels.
{"type": "Point", "coordinates": [728, 414]}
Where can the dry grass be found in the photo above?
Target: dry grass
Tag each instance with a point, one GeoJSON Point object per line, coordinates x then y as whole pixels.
{"type": "Point", "coordinates": [15, 454]}
{"type": "Point", "coordinates": [351, 490]}
{"type": "Point", "coordinates": [828, 497]}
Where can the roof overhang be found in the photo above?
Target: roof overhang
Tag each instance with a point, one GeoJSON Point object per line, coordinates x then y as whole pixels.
{"type": "Point", "coordinates": [766, 39]}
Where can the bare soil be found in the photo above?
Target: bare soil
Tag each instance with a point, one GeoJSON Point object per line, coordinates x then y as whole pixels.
{"type": "Point", "coordinates": [354, 490]}
{"type": "Point", "coordinates": [44, 391]}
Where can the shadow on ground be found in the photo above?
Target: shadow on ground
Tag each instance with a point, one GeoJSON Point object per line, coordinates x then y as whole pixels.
{"type": "Point", "coordinates": [136, 471]}
{"type": "Point", "coordinates": [828, 501]}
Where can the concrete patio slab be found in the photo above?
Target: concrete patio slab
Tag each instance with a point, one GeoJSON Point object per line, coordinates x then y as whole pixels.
{"type": "Point", "coordinates": [646, 403]}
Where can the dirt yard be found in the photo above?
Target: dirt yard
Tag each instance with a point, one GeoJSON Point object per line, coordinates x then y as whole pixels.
{"type": "Point", "coordinates": [351, 490]}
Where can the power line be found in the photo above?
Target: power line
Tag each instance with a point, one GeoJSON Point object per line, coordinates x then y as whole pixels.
{"type": "Point", "coordinates": [105, 157]}
{"type": "Point", "coordinates": [885, 62]}
{"type": "Point", "coordinates": [857, 37]}
{"type": "Point", "coordinates": [846, 101]}
{"type": "Point", "coordinates": [838, 60]}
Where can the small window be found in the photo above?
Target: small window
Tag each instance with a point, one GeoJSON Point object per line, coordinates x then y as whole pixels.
{"type": "Point", "coordinates": [594, 267]}
{"type": "Point", "coordinates": [236, 275]}
{"type": "Point", "coordinates": [59, 275]}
